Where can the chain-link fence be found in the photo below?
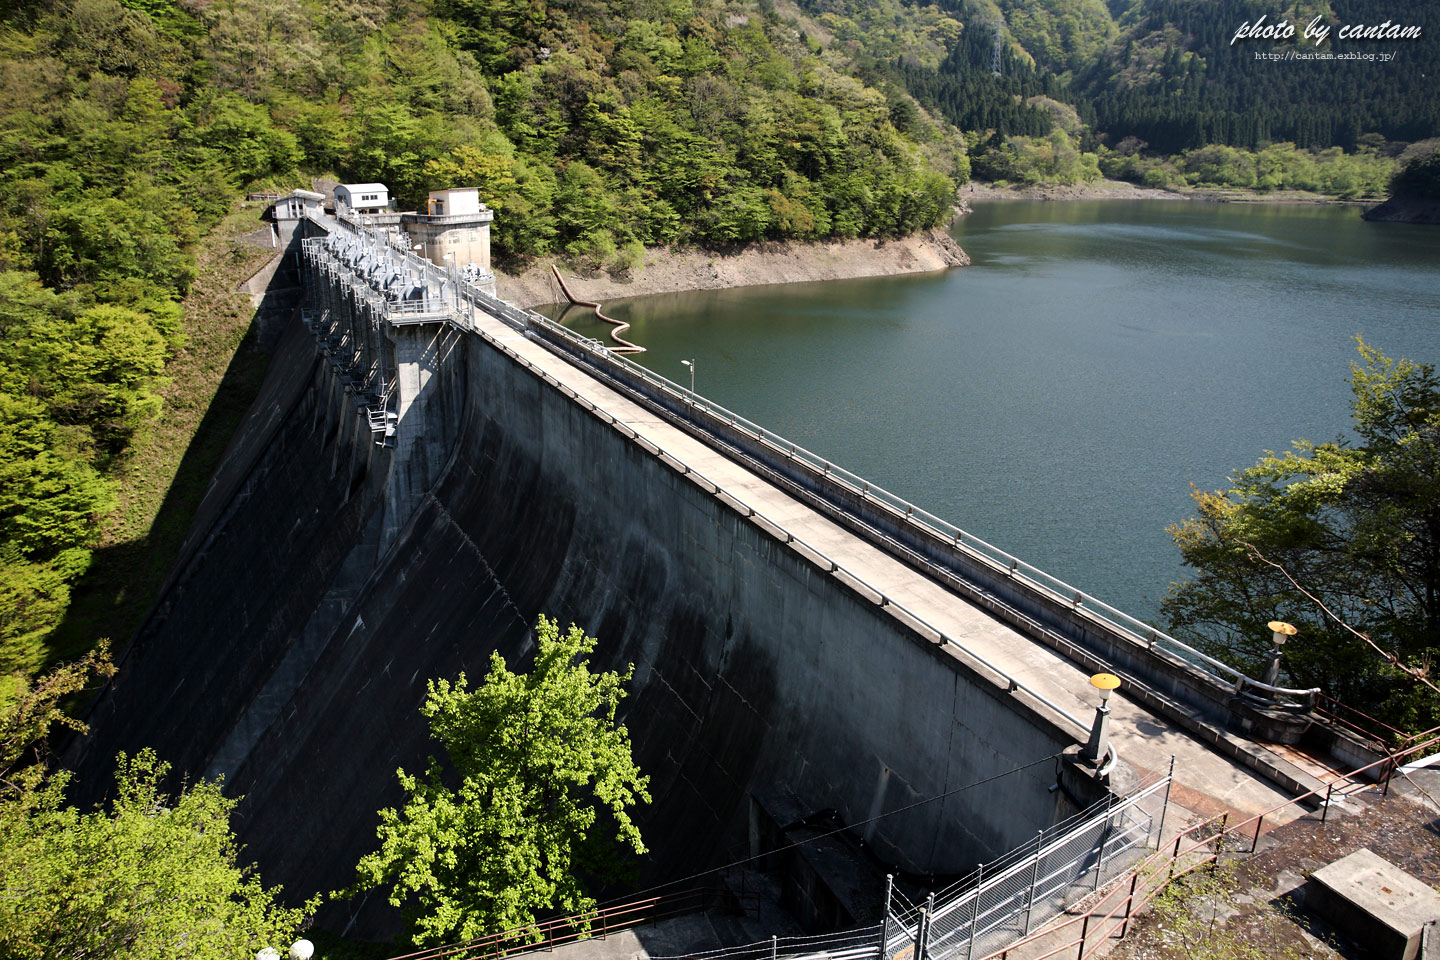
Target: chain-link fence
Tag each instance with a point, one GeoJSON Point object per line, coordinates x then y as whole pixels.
{"type": "Point", "coordinates": [1005, 899]}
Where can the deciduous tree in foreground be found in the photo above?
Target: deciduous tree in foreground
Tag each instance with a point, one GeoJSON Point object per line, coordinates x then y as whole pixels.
{"type": "Point", "coordinates": [1355, 524]}
{"type": "Point", "coordinates": [153, 877]}
{"type": "Point", "coordinates": [535, 799]}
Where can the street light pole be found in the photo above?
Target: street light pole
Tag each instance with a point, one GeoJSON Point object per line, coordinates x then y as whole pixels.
{"type": "Point", "coordinates": [691, 364]}
{"type": "Point", "coordinates": [1280, 631]}
{"type": "Point", "coordinates": [1100, 730]}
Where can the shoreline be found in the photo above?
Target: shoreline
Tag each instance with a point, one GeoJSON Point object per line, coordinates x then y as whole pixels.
{"type": "Point", "coordinates": [1122, 190]}
{"type": "Point", "coordinates": [674, 270]}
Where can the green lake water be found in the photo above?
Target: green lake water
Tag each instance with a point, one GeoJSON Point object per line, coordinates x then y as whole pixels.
{"type": "Point", "coordinates": [1059, 396]}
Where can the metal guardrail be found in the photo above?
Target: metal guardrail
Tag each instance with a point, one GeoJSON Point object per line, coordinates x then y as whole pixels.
{"type": "Point", "coordinates": [1136, 630]}
{"type": "Point", "coordinates": [1021, 891]}
{"type": "Point", "coordinates": [598, 923]}
{"type": "Point", "coordinates": [818, 556]}
{"type": "Point", "coordinates": [1118, 620]}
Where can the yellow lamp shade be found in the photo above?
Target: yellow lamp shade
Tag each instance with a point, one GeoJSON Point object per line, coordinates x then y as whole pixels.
{"type": "Point", "coordinates": [1280, 631]}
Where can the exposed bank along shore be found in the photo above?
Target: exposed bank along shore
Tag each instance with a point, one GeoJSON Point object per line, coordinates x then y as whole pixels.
{"type": "Point", "coordinates": [1120, 190]}
{"type": "Point", "coordinates": [674, 270]}
{"type": "Point", "coordinates": [1097, 190]}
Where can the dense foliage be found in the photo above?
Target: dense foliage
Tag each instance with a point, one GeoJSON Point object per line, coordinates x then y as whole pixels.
{"type": "Point", "coordinates": [1355, 524]}
{"type": "Point", "coordinates": [27, 720]}
{"type": "Point", "coordinates": [151, 878]}
{"type": "Point", "coordinates": [1279, 166]}
{"type": "Point", "coordinates": [545, 783]}
{"type": "Point", "coordinates": [1419, 177]}
{"type": "Point", "coordinates": [594, 128]}
{"type": "Point", "coordinates": [1175, 80]}
{"type": "Point", "coordinates": [1155, 83]}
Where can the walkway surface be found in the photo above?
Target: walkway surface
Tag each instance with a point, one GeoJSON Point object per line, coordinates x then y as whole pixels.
{"type": "Point", "coordinates": [1206, 783]}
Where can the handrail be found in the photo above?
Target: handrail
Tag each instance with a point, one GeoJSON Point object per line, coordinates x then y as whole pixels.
{"type": "Point", "coordinates": [1011, 866]}
{"type": "Point", "coordinates": [1038, 578]}
{"type": "Point", "coordinates": [577, 926]}
{"type": "Point", "coordinates": [1391, 735]}
{"type": "Point", "coordinates": [830, 565]}
{"type": "Point", "coordinates": [1131, 627]}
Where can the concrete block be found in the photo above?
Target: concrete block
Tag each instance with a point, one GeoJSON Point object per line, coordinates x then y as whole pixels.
{"type": "Point", "coordinates": [1374, 902]}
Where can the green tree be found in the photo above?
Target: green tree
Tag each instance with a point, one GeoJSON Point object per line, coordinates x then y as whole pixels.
{"type": "Point", "coordinates": [153, 877]}
{"type": "Point", "coordinates": [1356, 523]}
{"type": "Point", "coordinates": [1418, 178]}
{"type": "Point", "coordinates": [28, 711]}
{"type": "Point", "coordinates": [543, 780]}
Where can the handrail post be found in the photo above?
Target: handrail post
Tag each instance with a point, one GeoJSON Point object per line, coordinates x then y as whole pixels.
{"type": "Point", "coordinates": [1165, 806]}
{"type": "Point", "coordinates": [1129, 902]}
{"type": "Point", "coordinates": [1084, 932]}
{"type": "Point", "coordinates": [1034, 878]}
{"type": "Point", "coordinates": [975, 910]}
{"type": "Point", "coordinates": [885, 917]}
{"type": "Point", "coordinates": [1325, 810]}
{"type": "Point", "coordinates": [1219, 841]}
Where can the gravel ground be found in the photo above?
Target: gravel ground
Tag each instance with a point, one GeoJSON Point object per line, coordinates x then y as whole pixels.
{"type": "Point", "coordinates": [1262, 913]}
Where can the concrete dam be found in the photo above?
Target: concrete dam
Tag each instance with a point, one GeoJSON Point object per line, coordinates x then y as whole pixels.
{"type": "Point", "coordinates": [422, 476]}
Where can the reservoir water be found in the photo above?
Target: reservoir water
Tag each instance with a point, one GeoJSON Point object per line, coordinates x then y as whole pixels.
{"type": "Point", "coordinates": [1058, 397]}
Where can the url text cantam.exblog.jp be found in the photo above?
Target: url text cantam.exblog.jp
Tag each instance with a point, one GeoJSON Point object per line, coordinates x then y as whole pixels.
{"type": "Point", "coordinates": [1303, 55]}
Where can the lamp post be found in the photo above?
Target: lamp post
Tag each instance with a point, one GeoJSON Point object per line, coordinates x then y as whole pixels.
{"type": "Point", "coordinates": [1280, 631]}
{"type": "Point", "coordinates": [691, 364]}
{"type": "Point", "coordinates": [1099, 742]}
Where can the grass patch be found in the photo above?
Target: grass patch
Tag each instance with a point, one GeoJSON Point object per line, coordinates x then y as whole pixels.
{"type": "Point", "coordinates": [213, 380]}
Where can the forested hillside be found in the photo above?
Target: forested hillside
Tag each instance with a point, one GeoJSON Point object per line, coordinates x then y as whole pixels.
{"type": "Point", "coordinates": [1153, 90]}
{"type": "Point", "coordinates": [594, 127]}
{"type": "Point", "coordinates": [1175, 80]}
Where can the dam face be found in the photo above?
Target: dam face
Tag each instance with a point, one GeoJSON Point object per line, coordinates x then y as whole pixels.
{"type": "Point", "coordinates": [329, 578]}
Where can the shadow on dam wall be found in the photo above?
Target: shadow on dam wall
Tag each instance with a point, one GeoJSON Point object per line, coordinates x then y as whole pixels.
{"type": "Point", "coordinates": [291, 652]}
